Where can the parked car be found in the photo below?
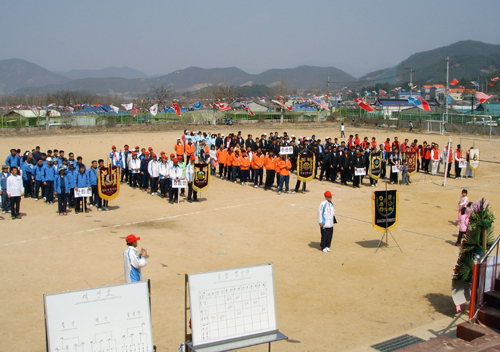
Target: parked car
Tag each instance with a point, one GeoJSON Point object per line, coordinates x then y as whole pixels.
{"type": "Point", "coordinates": [488, 121]}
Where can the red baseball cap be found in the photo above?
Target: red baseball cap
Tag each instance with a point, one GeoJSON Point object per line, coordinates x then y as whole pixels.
{"type": "Point", "coordinates": [175, 160]}
{"type": "Point", "coordinates": [131, 238]}
{"type": "Point", "coordinates": [147, 153]}
{"type": "Point", "coordinates": [154, 155]}
{"type": "Point", "coordinates": [328, 194]}
{"type": "Point", "coordinates": [136, 147]}
{"type": "Point", "coordinates": [134, 153]}
{"type": "Point", "coordinates": [162, 153]}
{"type": "Point", "coordinates": [150, 148]}
{"type": "Point", "coordinates": [113, 147]}
{"type": "Point", "coordinates": [126, 147]}
{"type": "Point", "coordinates": [172, 154]}
{"type": "Point", "coordinates": [163, 156]}
{"type": "Point", "coordinates": [193, 157]}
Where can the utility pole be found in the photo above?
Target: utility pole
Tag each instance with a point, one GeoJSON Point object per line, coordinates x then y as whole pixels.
{"type": "Point", "coordinates": [411, 77]}
{"type": "Point", "coordinates": [328, 85]}
{"type": "Point", "coordinates": [447, 85]}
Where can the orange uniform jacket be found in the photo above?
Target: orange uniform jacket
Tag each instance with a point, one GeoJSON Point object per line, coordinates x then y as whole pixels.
{"type": "Point", "coordinates": [258, 161]}
{"type": "Point", "coordinates": [222, 156]}
{"type": "Point", "coordinates": [244, 163]}
{"type": "Point", "coordinates": [179, 149]}
{"type": "Point", "coordinates": [190, 149]}
{"type": "Point", "coordinates": [270, 164]}
{"type": "Point", "coordinates": [228, 158]}
{"type": "Point", "coordinates": [235, 160]}
{"type": "Point", "coordinates": [283, 167]}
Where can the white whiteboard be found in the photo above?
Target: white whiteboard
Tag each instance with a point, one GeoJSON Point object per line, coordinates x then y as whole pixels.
{"type": "Point", "coordinates": [231, 304]}
{"type": "Point", "coordinates": [106, 319]}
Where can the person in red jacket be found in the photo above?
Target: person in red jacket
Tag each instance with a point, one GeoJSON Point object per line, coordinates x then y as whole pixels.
{"type": "Point", "coordinates": [396, 143]}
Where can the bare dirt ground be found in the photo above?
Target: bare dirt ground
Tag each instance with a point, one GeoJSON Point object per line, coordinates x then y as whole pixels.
{"type": "Point", "coordinates": [344, 300]}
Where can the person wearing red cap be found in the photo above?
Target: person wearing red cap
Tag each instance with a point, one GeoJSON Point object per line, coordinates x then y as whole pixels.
{"type": "Point", "coordinates": [175, 174]}
{"type": "Point", "coordinates": [163, 171]}
{"type": "Point", "coordinates": [154, 174]}
{"type": "Point", "coordinates": [124, 164]}
{"type": "Point", "coordinates": [115, 156]}
{"type": "Point", "coordinates": [133, 259]}
{"type": "Point", "coordinates": [326, 219]}
{"type": "Point", "coordinates": [135, 170]}
{"type": "Point", "coordinates": [146, 158]}
{"type": "Point", "coordinates": [189, 178]}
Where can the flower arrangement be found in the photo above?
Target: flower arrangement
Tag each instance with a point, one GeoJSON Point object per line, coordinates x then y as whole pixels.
{"type": "Point", "coordinates": [481, 217]}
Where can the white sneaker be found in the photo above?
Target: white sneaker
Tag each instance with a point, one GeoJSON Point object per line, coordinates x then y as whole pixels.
{"type": "Point", "coordinates": [106, 208]}
{"type": "Point", "coordinates": [255, 186]}
{"type": "Point", "coordinates": [288, 192]}
{"type": "Point", "coordinates": [373, 185]}
{"type": "Point", "coordinates": [293, 192]}
{"type": "Point", "coordinates": [376, 184]}
{"type": "Point", "coordinates": [261, 186]}
{"type": "Point", "coordinates": [36, 199]}
{"type": "Point", "coordinates": [235, 181]}
{"type": "Point", "coordinates": [99, 209]}
{"type": "Point", "coordinates": [279, 192]}
{"type": "Point", "coordinates": [328, 249]}
{"type": "Point", "coordinates": [91, 206]}
{"type": "Point", "coordinates": [325, 250]}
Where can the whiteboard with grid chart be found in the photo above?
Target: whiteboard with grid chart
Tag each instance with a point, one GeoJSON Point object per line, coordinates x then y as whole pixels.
{"type": "Point", "coordinates": [232, 304]}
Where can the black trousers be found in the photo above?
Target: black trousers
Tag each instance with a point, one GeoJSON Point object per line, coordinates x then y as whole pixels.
{"type": "Point", "coordinates": [449, 169]}
{"type": "Point", "coordinates": [345, 175]}
{"type": "Point", "coordinates": [28, 188]}
{"type": "Point", "coordinates": [270, 178]}
{"type": "Point", "coordinates": [458, 170]}
{"type": "Point", "coordinates": [258, 177]}
{"type": "Point", "coordinates": [192, 193]}
{"type": "Point", "coordinates": [15, 203]}
{"type": "Point", "coordinates": [222, 170]}
{"type": "Point", "coordinates": [125, 175]}
{"type": "Point", "coordinates": [356, 180]}
{"type": "Point", "coordinates": [326, 237]}
{"type": "Point", "coordinates": [79, 202]}
{"type": "Point", "coordinates": [324, 172]}
{"type": "Point", "coordinates": [136, 180]}
{"type": "Point", "coordinates": [425, 165]}
{"type": "Point", "coordinates": [94, 199]}
{"type": "Point", "coordinates": [383, 170]}
{"type": "Point", "coordinates": [49, 191]}
{"type": "Point", "coordinates": [297, 186]}
{"type": "Point", "coordinates": [38, 185]}
{"type": "Point", "coordinates": [71, 198]}
{"type": "Point", "coordinates": [243, 175]}
{"type": "Point", "coordinates": [394, 176]}
{"type": "Point", "coordinates": [460, 236]}
{"type": "Point", "coordinates": [164, 186]}
{"type": "Point", "coordinates": [145, 180]}
{"type": "Point", "coordinates": [173, 194]}
{"type": "Point", "coordinates": [229, 174]}
{"type": "Point", "coordinates": [62, 202]}
{"type": "Point", "coordinates": [101, 203]}
{"type": "Point", "coordinates": [154, 184]}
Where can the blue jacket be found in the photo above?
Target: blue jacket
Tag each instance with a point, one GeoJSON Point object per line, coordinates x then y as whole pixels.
{"type": "Point", "coordinates": [3, 181]}
{"type": "Point", "coordinates": [27, 169]}
{"type": "Point", "coordinates": [67, 184]}
{"type": "Point", "coordinates": [92, 177]}
{"type": "Point", "coordinates": [13, 160]}
{"type": "Point", "coordinates": [39, 172]}
{"type": "Point", "coordinates": [81, 180]}
{"type": "Point", "coordinates": [72, 176]}
{"type": "Point", "coordinates": [50, 174]}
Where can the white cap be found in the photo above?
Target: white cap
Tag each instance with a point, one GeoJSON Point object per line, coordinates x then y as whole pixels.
{"type": "Point", "coordinates": [178, 138]}
{"type": "Point", "coordinates": [48, 159]}
{"type": "Point", "coordinates": [293, 136]}
{"type": "Point", "coordinates": [328, 137]}
{"type": "Point", "coordinates": [222, 135]}
{"type": "Point", "coordinates": [265, 134]}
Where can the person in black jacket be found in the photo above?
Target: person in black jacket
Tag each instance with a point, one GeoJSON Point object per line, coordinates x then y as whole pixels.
{"type": "Point", "coordinates": [218, 141]}
{"type": "Point", "coordinates": [325, 162]}
{"type": "Point", "coordinates": [334, 167]}
{"type": "Point", "coordinates": [358, 162]}
{"type": "Point", "coordinates": [344, 166]}
{"type": "Point", "coordinates": [250, 142]}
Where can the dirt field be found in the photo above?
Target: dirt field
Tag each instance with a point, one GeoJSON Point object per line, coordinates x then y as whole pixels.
{"type": "Point", "coordinates": [344, 300]}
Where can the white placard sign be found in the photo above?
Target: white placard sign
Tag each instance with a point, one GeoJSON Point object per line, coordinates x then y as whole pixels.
{"type": "Point", "coordinates": [113, 318]}
{"type": "Point", "coordinates": [462, 164]}
{"type": "Point", "coordinates": [286, 150]}
{"type": "Point", "coordinates": [179, 184]}
{"type": "Point", "coordinates": [360, 172]}
{"type": "Point", "coordinates": [395, 169]}
{"type": "Point", "coordinates": [83, 192]}
{"type": "Point", "coordinates": [231, 304]}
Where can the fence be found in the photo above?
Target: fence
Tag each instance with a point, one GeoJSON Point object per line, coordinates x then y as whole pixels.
{"type": "Point", "coordinates": [488, 149]}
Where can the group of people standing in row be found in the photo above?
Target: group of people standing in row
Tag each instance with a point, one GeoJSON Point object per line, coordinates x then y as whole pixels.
{"type": "Point", "coordinates": [258, 162]}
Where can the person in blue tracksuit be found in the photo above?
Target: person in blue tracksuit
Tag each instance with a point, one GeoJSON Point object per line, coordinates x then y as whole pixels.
{"type": "Point", "coordinates": [62, 186]}
{"type": "Point", "coordinates": [145, 159]}
{"type": "Point", "coordinates": [92, 178]}
{"type": "Point", "coordinates": [3, 188]}
{"type": "Point", "coordinates": [124, 161]}
{"type": "Point", "coordinates": [71, 172]}
{"type": "Point", "coordinates": [39, 176]}
{"type": "Point", "coordinates": [27, 171]}
{"type": "Point", "coordinates": [13, 160]}
{"type": "Point", "coordinates": [50, 177]}
{"type": "Point", "coordinates": [81, 181]}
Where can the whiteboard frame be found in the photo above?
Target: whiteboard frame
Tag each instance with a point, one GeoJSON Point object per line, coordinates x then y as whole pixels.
{"type": "Point", "coordinates": [234, 342]}
{"type": "Point", "coordinates": [85, 290]}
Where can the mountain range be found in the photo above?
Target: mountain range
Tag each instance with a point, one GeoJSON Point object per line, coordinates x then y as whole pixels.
{"type": "Point", "coordinates": [468, 60]}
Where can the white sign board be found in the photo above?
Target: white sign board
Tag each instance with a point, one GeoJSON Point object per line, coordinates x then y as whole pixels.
{"type": "Point", "coordinates": [113, 318]}
{"type": "Point", "coordinates": [179, 184]}
{"type": "Point", "coordinates": [395, 169]}
{"type": "Point", "coordinates": [230, 304]}
{"type": "Point", "coordinates": [360, 172]}
{"type": "Point", "coordinates": [286, 150]}
{"type": "Point", "coordinates": [462, 164]}
{"type": "Point", "coordinates": [83, 192]}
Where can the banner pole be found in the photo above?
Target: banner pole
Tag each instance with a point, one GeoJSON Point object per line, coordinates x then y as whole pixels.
{"type": "Point", "coordinates": [447, 161]}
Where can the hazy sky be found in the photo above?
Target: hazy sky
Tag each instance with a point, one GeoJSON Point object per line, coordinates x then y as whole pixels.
{"type": "Point", "coordinates": [160, 36]}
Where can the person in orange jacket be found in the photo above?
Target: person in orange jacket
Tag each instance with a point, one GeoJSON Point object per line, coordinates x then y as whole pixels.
{"type": "Point", "coordinates": [258, 167]}
{"type": "Point", "coordinates": [190, 149]}
{"type": "Point", "coordinates": [235, 164]}
{"type": "Point", "coordinates": [230, 152]}
{"type": "Point", "coordinates": [270, 165]}
{"type": "Point", "coordinates": [244, 166]}
{"type": "Point", "coordinates": [283, 167]}
{"type": "Point", "coordinates": [179, 148]}
{"type": "Point", "coordinates": [222, 158]}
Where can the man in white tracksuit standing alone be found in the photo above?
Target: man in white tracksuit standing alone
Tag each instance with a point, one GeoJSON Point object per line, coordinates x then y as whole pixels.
{"type": "Point", "coordinates": [326, 219]}
{"type": "Point", "coordinates": [133, 259]}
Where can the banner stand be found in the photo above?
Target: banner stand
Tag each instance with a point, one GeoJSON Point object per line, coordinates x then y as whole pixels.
{"type": "Point", "coordinates": [387, 232]}
{"type": "Point", "coordinates": [229, 345]}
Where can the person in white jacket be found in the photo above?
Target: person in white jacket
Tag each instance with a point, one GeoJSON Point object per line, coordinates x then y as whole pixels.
{"type": "Point", "coordinates": [15, 190]}
{"type": "Point", "coordinates": [154, 174]}
{"type": "Point", "coordinates": [192, 194]}
{"type": "Point", "coordinates": [133, 259]}
{"type": "Point", "coordinates": [134, 165]}
{"type": "Point", "coordinates": [326, 219]}
{"type": "Point", "coordinates": [175, 174]}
